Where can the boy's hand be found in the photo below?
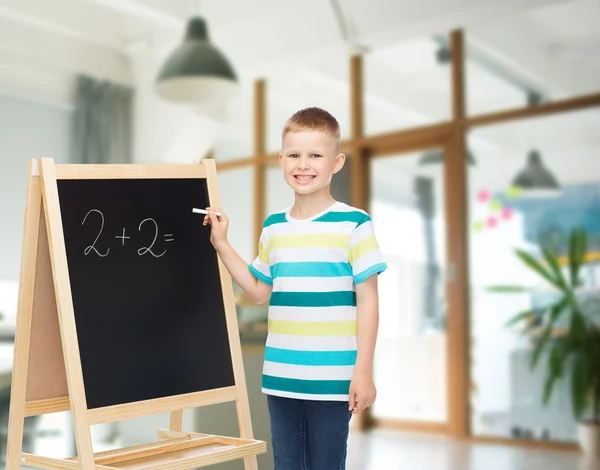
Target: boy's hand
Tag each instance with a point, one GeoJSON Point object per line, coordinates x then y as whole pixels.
{"type": "Point", "coordinates": [219, 226]}
{"type": "Point", "coordinates": [362, 392]}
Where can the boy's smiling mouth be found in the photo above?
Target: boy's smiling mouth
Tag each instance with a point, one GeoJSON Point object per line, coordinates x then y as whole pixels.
{"type": "Point", "coordinates": [304, 178]}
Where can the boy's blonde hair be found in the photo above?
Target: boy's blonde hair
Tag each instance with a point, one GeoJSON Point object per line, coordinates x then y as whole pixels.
{"type": "Point", "coordinates": [313, 119]}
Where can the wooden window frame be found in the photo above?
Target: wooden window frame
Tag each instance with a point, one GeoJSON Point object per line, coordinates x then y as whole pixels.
{"type": "Point", "coordinates": [449, 135]}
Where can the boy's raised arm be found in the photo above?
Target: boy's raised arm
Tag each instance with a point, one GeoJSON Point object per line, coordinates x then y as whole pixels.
{"type": "Point", "coordinates": [237, 267]}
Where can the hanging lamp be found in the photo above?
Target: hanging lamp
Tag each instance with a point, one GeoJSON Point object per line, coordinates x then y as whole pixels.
{"type": "Point", "coordinates": [535, 178]}
{"type": "Point", "coordinates": [196, 71]}
{"type": "Point", "coordinates": [434, 157]}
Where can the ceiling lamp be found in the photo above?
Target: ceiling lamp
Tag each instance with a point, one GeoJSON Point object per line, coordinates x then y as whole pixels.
{"type": "Point", "coordinates": [432, 157]}
{"type": "Point", "coordinates": [196, 72]}
{"type": "Point", "coordinates": [535, 178]}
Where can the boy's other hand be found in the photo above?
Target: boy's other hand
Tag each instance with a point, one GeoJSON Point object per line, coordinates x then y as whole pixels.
{"type": "Point", "coordinates": [362, 392]}
{"type": "Point", "coordinates": [219, 225]}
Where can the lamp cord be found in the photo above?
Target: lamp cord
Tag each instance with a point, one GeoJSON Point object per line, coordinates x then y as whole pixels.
{"type": "Point", "coordinates": [196, 7]}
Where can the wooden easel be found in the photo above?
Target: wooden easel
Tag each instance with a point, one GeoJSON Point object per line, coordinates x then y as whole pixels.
{"type": "Point", "coordinates": [47, 374]}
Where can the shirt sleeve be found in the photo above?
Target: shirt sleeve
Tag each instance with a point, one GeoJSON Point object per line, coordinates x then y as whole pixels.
{"type": "Point", "coordinates": [365, 257]}
{"type": "Point", "coordinates": [261, 267]}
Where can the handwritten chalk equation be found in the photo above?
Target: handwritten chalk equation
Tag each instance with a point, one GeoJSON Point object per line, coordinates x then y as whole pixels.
{"type": "Point", "coordinates": [148, 226]}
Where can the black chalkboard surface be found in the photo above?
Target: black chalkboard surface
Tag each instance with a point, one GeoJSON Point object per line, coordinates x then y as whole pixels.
{"type": "Point", "coordinates": [145, 287]}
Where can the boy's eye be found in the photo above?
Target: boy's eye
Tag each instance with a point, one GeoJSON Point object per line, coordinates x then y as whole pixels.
{"type": "Point", "coordinates": [293, 155]}
{"type": "Point", "coordinates": [316, 155]}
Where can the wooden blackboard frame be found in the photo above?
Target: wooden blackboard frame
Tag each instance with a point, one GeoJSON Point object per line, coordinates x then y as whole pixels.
{"type": "Point", "coordinates": [47, 373]}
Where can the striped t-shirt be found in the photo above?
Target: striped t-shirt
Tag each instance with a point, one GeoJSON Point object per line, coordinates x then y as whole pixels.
{"type": "Point", "coordinates": [313, 265]}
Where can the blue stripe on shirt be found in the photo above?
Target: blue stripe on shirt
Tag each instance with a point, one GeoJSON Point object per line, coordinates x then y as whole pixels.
{"type": "Point", "coordinates": [260, 276]}
{"type": "Point", "coordinates": [313, 299]}
{"type": "Point", "coordinates": [311, 269]}
{"type": "Point", "coordinates": [310, 358]}
{"type": "Point", "coordinates": [275, 219]}
{"type": "Point", "coordinates": [367, 273]}
{"type": "Point", "coordinates": [358, 217]}
{"type": "Point", "coordinates": [316, 387]}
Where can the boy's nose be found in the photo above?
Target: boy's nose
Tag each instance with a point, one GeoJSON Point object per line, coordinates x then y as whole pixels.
{"type": "Point", "coordinates": [304, 162]}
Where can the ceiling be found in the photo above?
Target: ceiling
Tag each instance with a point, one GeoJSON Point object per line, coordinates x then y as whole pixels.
{"type": "Point", "coordinates": [548, 47]}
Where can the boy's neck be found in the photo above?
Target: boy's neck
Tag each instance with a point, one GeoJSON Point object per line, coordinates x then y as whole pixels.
{"type": "Point", "coordinates": [309, 205]}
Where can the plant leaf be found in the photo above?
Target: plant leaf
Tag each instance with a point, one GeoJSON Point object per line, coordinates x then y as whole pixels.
{"type": "Point", "coordinates": [555, 312]}
{"type": "Point", "coordinates": [537, 266]}
{"type": "Point", "coordinates": [519, 317]}
{"type": "Point", "coordinates": [509, 289]}
{"type": "Point", "coordinates": [558, 309]}
{"type": "Point", "coordinates": [548, 388]}
{"type": "Point", "coordinates": [578, 330]}
{"type": "Point", "coordinates": [552, 259]}
{"type": "Point", "coordinates": [580, 385]}
{"type": "Point", "coordinates": [558, 356]}
{"type": "Point", "coordinates": [541, 344]}
{"type": "Point", "coordinates": [577, 251]}
{"type": "Point", "coordinates": [555, 370]}
{"type": "Point", "coordinates": [573, 264]}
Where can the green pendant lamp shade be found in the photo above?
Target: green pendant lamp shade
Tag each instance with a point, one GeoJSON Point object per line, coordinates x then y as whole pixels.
{"type": "Point", "coordinates": [435, 157]}
{"type": "Point", "coordinates": [196, 72]}
{"type": "Point", "coordinates": [535, 177]}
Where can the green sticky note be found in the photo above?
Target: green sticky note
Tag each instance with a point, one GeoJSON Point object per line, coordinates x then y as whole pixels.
{"type": "Point", "coordinates": [495, 205]}
{"type": "Point", "coordinates": [513, 192]}
{"type": "Point", "coordinates": [478, 226]}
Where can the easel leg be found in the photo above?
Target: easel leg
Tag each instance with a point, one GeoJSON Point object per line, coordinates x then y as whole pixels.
{"type": "Point", "coordinates": [18, 391]}
{"type": "Point", "coordinates": [176, 420]}
{"type": "Point", "coordinates": [243, 411]}
{"type": "Point", "coordinates": [66, 315]}
{"type": "Point", "coordinates": [16, 418]}
{"type": "Point", "coordinates": [242, 403]}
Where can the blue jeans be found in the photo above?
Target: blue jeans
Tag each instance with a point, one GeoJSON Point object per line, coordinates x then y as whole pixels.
{"type": "Point", "coordinates": [308, 434]}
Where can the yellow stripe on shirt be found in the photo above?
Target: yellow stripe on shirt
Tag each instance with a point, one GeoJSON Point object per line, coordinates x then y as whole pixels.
{"type": "Point", "coordinates": [263, 253]}
{"type": "Point", "coordinates": [362, 248]}
{"type": "Point", "coordinates": [316, 240]}
{"type": "Point", "coordinates": [313, 328]}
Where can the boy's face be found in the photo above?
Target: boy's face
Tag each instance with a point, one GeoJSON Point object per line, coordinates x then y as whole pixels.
{"type": "Point", "coordinates": [309, 159]}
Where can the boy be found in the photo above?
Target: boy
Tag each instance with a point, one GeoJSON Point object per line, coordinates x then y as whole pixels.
{"type": "Point", "coordinates": [318, 263]}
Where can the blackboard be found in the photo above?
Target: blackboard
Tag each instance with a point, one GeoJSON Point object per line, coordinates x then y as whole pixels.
{"type": "Point", "coordinates": [146, 290]}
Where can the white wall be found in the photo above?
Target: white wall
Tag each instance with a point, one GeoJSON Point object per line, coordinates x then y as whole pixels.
{"type": "Point", "coordinates": [44, 64]}
{"type": "Point", "coordinates": [27, 130]}
{"type": "Point", "coordinates": [37, 77]}
{"type": "Point", "coordinates": [165, 132]}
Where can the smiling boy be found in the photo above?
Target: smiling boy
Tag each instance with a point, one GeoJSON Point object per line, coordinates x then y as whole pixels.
{"type": "Point", "coordinates": [317, 266]}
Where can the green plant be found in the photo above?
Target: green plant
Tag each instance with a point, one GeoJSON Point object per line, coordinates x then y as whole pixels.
{"type": "Point", "coordinates": [578, 350]}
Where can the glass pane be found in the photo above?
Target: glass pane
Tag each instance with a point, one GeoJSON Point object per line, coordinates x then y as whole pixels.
{"type": "Point", "coordinates": [407, 207]}
{"type": "Point", "coordinates": [506, 397]}
{"type": "Point", "coordinates": [279, 195]}
{"type": "Point", "coordinates": [341, 183]}
{"type": "Point", "coordinates": [544, 51]}
{"type": "Point", "coordinates": [406, 85]}
{"type": "Point", "coordinates": [235, 128]}
{"type": "Point", "coordinates": [237, 196]}
{"type": "Point", "coordinates": [237, 190]}
{"type": "Point", "coordinates": [322, 81]}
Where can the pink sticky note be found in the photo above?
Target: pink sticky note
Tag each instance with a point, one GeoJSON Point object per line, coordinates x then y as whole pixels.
{"type": "Point", "coordinates": [492, 222]}
{"type": "Point", "coordinates": [483, 195]}
{"type": "Point", "coordinates": [507, 213]}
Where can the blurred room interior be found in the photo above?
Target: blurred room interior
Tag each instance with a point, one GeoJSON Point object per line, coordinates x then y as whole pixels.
{"type": "Point", "coordinates": [472, 129]}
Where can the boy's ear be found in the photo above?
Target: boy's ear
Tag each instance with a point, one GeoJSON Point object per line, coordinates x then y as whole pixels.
{"type": "Point", "coordinates": [281, 159]}
{"type": "Point", "coordinates": [339, 162]}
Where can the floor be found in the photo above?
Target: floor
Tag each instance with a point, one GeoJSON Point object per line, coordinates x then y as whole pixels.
{"type": "Point", "coordinates": [386, 450]}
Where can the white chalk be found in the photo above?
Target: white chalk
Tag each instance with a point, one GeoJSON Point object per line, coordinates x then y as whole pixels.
{"type": "Point", "coordinates": [203, 211]}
